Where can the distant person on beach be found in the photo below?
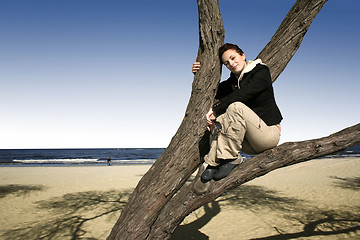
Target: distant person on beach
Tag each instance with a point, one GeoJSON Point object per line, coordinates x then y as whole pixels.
{"type": "Point", "coordinates": [244, 117]}
{"type": "Point", "coordinates": [109, 161]}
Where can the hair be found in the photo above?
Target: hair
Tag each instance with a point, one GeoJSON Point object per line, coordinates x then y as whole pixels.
{"type": "Point", "coordinates": [228, 46]}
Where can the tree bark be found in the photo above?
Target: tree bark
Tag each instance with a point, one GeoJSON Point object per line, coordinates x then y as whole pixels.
{"type": "Point", "coordinates": [157, 207]}
{"type": "Point", "coordinates": [288, 37]}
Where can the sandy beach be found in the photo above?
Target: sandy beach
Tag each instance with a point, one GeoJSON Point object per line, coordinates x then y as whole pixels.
{"type": "Point", "coordinates": [318, 199]}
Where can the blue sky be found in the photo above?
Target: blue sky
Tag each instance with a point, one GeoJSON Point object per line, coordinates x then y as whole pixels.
{"type": "Point", "coordinates": [91, 73]}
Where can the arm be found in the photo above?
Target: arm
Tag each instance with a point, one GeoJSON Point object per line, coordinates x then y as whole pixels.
{"type": "Point", "coordinates": [210, 116]}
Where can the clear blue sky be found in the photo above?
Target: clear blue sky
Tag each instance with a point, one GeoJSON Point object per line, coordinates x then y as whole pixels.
{"type": "Point", "coordinates": [91, 73]}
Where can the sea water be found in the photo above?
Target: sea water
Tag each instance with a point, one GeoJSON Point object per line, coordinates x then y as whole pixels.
{"type": "Point", "coordinates": [83, 156]}
{"type": "Point", "coordinates": [99, 156]}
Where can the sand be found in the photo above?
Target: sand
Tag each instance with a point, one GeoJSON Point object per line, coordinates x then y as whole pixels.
{"type": "Point", "coordinates": [318, 199]}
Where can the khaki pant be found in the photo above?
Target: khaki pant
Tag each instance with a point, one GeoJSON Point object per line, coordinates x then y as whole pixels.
{"type": "Point", "coordinates": [241, 130]}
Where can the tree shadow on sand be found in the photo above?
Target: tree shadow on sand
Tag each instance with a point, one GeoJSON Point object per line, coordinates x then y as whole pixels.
{"type": "Point", "coordinates": [348, 183]}
{"type": "Point", "coordinates": [191, 230]}
{"type": "Point", "coordinates": [18, 190]}
{"type": "Point", "coordinates": [322, 223]}
{"type": "Point", "coordinates": [246, 196]}
{"type": "Point", "coordinates": [70, 214]}
{"type": "Point", "coordinates": [315, 221]}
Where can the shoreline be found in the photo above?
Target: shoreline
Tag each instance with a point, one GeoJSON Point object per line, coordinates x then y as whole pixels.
{"type": "Point", "coordinates": [71, 165]}
{"type": "Point", "coordinates": [55, 165]}
{"type": "Point", "coordinates": [36, 201]}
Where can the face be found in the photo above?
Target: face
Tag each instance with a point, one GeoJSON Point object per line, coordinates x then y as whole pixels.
{"type": "Point", "coordinates": [234, 61]}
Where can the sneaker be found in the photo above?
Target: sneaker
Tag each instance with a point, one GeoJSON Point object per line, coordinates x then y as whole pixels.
{"type": "Point", "coordinates": [208, 174]}
{"type": "Point", "coordinates": [224, 170]}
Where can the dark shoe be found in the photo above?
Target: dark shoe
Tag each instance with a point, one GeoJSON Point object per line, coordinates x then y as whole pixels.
{"type": "Point", "coordinates": [224, 170]}
{"type": "Point", "coordinates": [208, 174]}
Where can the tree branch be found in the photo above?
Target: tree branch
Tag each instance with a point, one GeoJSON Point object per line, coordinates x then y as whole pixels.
{"type": "Point", "coordinates": [288, 37]}
{"type": "Point", "coordinates": [284, 155]}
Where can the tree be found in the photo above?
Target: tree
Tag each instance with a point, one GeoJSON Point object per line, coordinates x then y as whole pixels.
{"type": "Point", "coordinates": [161, 199]}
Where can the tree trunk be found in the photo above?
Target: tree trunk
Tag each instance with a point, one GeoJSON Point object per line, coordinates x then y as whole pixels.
{"type": "Point", "coordinates": [181, 158]}
{"type": "Point", "coordinates": [157, 207]}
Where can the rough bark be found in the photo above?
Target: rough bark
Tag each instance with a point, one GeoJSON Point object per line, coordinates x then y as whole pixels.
{"type": "Point", "coordinates": [288, 37]}
{"type": "Point", "coordinates": [157, 207]}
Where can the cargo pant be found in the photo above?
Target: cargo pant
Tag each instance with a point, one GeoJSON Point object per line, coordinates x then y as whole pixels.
{"type": "Point", "coordinates": [241, 130]}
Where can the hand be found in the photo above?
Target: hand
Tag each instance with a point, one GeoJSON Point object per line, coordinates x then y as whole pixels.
{"type": "Point", "coordinates": [210, 116]}
{"type": "Point", "coordinates": [195, 67]}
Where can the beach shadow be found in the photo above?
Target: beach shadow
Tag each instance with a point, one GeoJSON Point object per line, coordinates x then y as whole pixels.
{"type": "Point", "coordinates": [322, 224]}
{"type": "Point", "coordinates": [348, 183]}
{"type": "Point", "coordinates": [254, 197]}
{"type": "Point", "coordinates": [191, 230]}
{"type": "Point", "coordinates": [18, 190]}
{"type": "Point", "coordinates": [315, 221]}
{"type": "Point", "coordinates": [70, 214]}
{"type": "Point", "coordinates": [245, 196]}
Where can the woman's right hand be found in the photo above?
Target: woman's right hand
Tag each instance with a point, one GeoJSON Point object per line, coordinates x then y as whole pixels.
{"type": "Point", "coordinates": [210, 117]}
{"type": "Point", "coordinates": [195, 67]}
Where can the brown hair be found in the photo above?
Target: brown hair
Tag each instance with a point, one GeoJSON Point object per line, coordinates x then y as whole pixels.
{"type": "Point", "coordinates": [228, 46]}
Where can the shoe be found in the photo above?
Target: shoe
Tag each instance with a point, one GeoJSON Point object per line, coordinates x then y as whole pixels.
{"type": "Point", "coordinates": [224, 170]}
{"type": "Point", "coordinates": [208, 174]}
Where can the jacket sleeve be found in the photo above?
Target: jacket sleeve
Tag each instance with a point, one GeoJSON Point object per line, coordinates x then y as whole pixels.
{"type": "Point", "coordinates": [251, 86]}
{"type": "Point", "coordinates": [224, 89]}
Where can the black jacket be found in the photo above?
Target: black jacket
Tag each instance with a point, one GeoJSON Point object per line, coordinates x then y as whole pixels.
{"type": "Point", "coordinates": [255, 91]}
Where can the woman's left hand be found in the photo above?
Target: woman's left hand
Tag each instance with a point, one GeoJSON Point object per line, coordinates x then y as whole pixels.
{"type": "Point", "coordinates": [210, 116]}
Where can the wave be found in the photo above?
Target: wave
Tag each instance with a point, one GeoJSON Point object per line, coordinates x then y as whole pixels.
{"type": "Point", "coordinates": [137, 161]}
{"type": "Point", "coordinates": [57, 161]}
{"type": "Point", "coordinates": [343, 155]}
{"type": "Point", "coordinates": [83, 161]}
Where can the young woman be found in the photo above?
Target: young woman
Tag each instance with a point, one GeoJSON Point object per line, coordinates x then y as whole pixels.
{"type": "Point", "coordinates": [245, 116]}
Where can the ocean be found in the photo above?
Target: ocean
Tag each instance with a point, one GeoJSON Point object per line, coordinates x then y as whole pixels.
{"type": "Point", "coordinates": [82, 156]}
{"type": "Point", "coordinates": [99, 156]}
